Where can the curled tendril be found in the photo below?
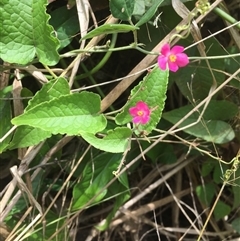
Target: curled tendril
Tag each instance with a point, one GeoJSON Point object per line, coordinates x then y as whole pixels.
{"type": "Point", "coordinates": [202, 6]}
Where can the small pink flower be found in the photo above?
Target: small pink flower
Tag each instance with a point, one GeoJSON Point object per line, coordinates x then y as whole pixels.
{"type": "Point", "coordinates": [140, 113]}
{"type": "Point", "coordinates": [172, 58]}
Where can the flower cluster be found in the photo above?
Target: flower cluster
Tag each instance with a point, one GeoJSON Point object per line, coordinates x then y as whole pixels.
{"type": "Point", "coordinates": [140, 113]}
{"type": "Point", "coordinates": [172, 58]}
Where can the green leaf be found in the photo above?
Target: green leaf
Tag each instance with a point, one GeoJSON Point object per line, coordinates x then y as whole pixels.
{"type": "Point", "coordinates": [221, 210]}
{"type": "Point", "coordinates": [26, 33]}
{"type": "Point", "coordinates": [195, 80]}
{"type": "Point", "coordinates": [149, 13]}
{"type": "Point", "coordinates": [207, 167]}
{"type": "Point", "coordinates": [236, 224]}
{"type": "Point", "coordinates": [5, 116]}
{"type": "Point", "coordinates": [139, 7]}
{"type": "Point", "coordinates": [95, 176]}
{"type": "Point", "coordinates": [65, 21]}
{"type": "Point", "coordinates": [116, 140]}
{"type": "Point", "coordinates": [53, 89]}
{"type": "Point", "coordinates": [210, 128]}
{"type": "Point", "coordinates": [163, 153]}
{"type": "Point", "coordinates": [122, 195]}
{"type": "Point", "coordinates": [26, 136]}
{"type": "Point", "coordinates": [236, 188]}
{"type": "Point", "coordinates": [152, 90]}
{"type": "Point", "coordinates": [218, 173]}
{"type": "Point", "coordinates": [110, 29]}
{"type": "Point", "coordinates": [205, 193]}
{"type": "Point", "coordinates": [122, 9]}
{"type": "Point", "coordinates": [69, 114]}
{"type": "Point", "coordinates": [220, 110]}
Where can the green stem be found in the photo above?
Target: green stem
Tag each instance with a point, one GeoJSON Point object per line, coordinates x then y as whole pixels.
{"type": "Point", "coordinates": [93, 81]}
{"type": "Point", "coordinates": [100, 50]}
{"type": "Point", "coordinates": [102, 62]}
{"type": "Point", "coordinates": [226, 16]}
{"type": "Point", "coordinates": [216, 57]}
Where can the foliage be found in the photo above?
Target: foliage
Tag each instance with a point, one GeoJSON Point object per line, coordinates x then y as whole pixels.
{"type": "Point", "coordinates": [82, 149]}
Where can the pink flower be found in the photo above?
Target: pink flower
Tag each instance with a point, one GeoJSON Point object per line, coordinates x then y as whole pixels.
{"type": "Point", "coordinates": [140, 113]}
{"type": "Point", "coordinates": [172, 58]}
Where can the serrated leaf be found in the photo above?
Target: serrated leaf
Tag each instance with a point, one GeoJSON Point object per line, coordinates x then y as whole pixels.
{"type": "Point", "coordinates": [26, 136]}
{"type": "Point", "coordinates": [122, 9]}
{"type": "Point", "coordinates": [69, 114]}
{"type": "Point", "coordinates": [116, 140]}
{"type": "Point", "coordinates": [149, 13]}
{"type": "Point", "coordinates": [5, 116]}
{"type": "Point", "coordinates": [53, 89]}
{"type": "Point", "coordinates": [221, 210]}
{"type": "Point", "coordinates": [65, 21]}
{"type": "Point", "coordinates": [94, 180]}
{"type": "Point", "coordinates": [110, 29]}
{"type": "Point", "coordinates": [209, 129]}
{"type": "Point", "coordinates": [152, 90]}
{"type": "Point", "coordinates": [26, 33]}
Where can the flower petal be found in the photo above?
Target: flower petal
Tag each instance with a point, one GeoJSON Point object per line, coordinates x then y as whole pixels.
{"type": "Point", "coordinates": [145, 119]}
{"type": "Point", "coordinates": [165, 50]}
{"type": "Point", "coordinates": [182, 60]}
{"type": "Point", "coordinates": [141, 105]}
{"type": "Point", "coordinates": [162, 62]}
{"type": "Point", "coordinates": [173, 66]}
{"type": "Point", "coordinates": [133, 111]}
{"type": "Point", "coordinates": [177, 49]}
{"type": "Point", "coordinates": [137, 119]}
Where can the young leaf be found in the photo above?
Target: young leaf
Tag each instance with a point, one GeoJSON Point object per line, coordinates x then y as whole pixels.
{"type": "Point", "coordinates": [122, 9]}
{"type": "Point", "coordinates": [116, 141]}
{"type": "Point", "coordinates": [109, 29]}
{"type": "Point", "coordinates": [26, 33]}
{"type": "Point", "coordinates": [69, 114]}
{"type": "Point", "coordinates": [152, 90]}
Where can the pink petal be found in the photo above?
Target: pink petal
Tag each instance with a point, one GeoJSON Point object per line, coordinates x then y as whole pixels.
{"type": "Point", "coordinates": [133, 111]}
{"type": "Point", "coordinates": [182, 60]}
{"type": "Point", "coordinates": [145, 119]}
{"type": "Point", "coordinates": [165, 49]}
{"type": "Point", "coordinates": [141, 105]}
{"type": "Point", "coordinates": [137, 119]}
{"type": "Point", "coordinates": [162, 62]}
{"type": "Point", "coordinates": [173, 66]}
{"type": "Point", "coordinates": [177, 49]}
